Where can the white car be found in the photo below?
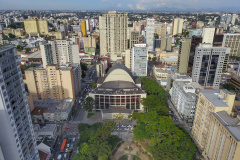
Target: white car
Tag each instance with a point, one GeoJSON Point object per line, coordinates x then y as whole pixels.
{"type": "Point", "coordinates": [66, 149]}
{"type": "Point", "coordinates": [65, 155]}
{"type": "Point", "coordinates": [129, 126]}
{"type": "Point", "coordinates": [67, 145]}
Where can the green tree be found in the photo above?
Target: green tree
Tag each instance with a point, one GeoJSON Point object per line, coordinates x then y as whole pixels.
{"type": "Point", "coordinates": [13, 26]}
{"type": "Point", "coordinates": [28, 50]}
{"type": "Point", "coordinates": [20, 48]}
{"type": "Point", "coordinates": [12, 36]}
{"type": "Point", "coordinates": [229, 86]}
{"type": "Point", "coordinates": [94, 85]}
{"type": "Point", "coordinates": [83, 66]}
{"type": "Point", "coordinates": [149, 58]}
{"type": "Point", "coordinates": [89, 104]}
{"type": "Point", "coordinates": [100, 150]}
{"type": "Point", "coordinates": [154, 59]}
{"type": "Point", "coordinates": [156, 36]}
{"type": "Point", "coordinates": [83, 74]}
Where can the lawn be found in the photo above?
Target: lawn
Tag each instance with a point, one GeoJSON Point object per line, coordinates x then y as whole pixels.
{"type": "Point", "coordinates": [123, 158]}
{"type": "Point", "coordinates": [90, 115]}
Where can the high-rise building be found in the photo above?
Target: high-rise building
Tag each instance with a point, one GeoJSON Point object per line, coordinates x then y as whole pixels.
{"type": "Point", "coordinates": [16, 134]}
{"type": "Point", "coordinates": [89, 42]}
{"type": "Point", "coordinates": [150, 30]}
{"type": "Point", "coordinates": [83, 28]}
{"type": "Point", "coordinates": [54, 82]}
{"type": "Point", "coordinates": [208, 35]}
{"type": "Point", "coordinates": [113, 34]}
{"type": "Point", "coordinates": [177, 26]}
{"type": "Point", "coordinates": [128, 59]}
{"type": "Point", "coordinates": [166, 43]}
{"type": "Point", "coordinates": [183, 57]}
{"type": "Point", "coordinates": [209, 102]}
{"type": "Point", "coordinates": [208, 65]}
{"type": "Point", "coordinates": [223, 140]}
{"type": "Point", "coordinates": [234, 17]}
{"type": "Point", "coordinates": [184, 98]}
{"type": "Point", "coordinates": [35, 25]}
{"type": "Point", "coordinates": [134, 38]}
{"type": "Point", "coordinates": [59, 52]}
{"type": "Point", "coordinates": [232, 40]}
{"type": "Point", "coordinates": [139, 60]}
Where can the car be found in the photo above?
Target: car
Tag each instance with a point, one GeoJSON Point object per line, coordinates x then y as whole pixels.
{"type": "Point", "coordinates": [123, 126]}
{"type": "Point", "coordinates": [72, 145]}
{"type": "Point", "coordinates": [66, 150]}
{"type": "Point", "coordinates": [68, 145]}
{"type": "Point", "coordinates": [129, 126]}
{"type": "Point", "coordinates": [74, 139]}
{"type": "Point", "coordinates": [59, 157]}
{"type": "Point", "coordinates": [65, 155]}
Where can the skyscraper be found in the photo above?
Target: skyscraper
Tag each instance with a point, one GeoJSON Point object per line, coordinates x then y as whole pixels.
{"type": "Point", "coordinates": [113, 34]}
{"type": "Point", "coordinates": [208, 65]}
{"type": "Point", "coordinates": [232, 40]}
{"type": "Point", "coordinates": [35, 25]}
{"type": "Point", "coordinates": [16, 134]}
{"type": "Point", "coordinates": [139, 60]}
{"type": "Point", "coordinates": [83, 28]}
{"type": "Point", "coordinates": [183, 57]}
{"type": "Point", "coordinates": [177, 26]}
{"type": "Point", "coordinates": [150, 30]}
{"type": "Point", "coordinates": [59, 52]}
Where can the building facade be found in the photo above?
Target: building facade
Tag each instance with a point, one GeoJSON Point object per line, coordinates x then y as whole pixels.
{"type": "Point", "coordinates": [208, 35]}
{"type": "Point", "coordinates": [118, 92]}
{"type": "Point", "coordinates": [59, 52]}
{"type": "Point", "coordinates": [183, 57]}
{"type": "Point", "coordinates": [209, 101]}
{"type": "Point", "coordinates": [134, 38]}
{"type": "Point", "coordinates": [54, 82]}
{"type": "Point", "coordinates": [177, 26]}
{"type": "Point", "coordinates": [184, 98]}
{"type": "Point", "coordinates": [89, 42]}
{"type": "Point", "coordinates": [232, 40]}
{"type": "Point", "coordinates": [139, 60]}
{"type": "Point", "coordinates": [208, 65]}
{"type": "Point", "coordinates": [35, 25]}
{"type": "Point", "coordinates": [150, 30]}
{"type": "Point", "coordinates": [113, 34]}
{"type": "Point", "coordinates": [17, 135]}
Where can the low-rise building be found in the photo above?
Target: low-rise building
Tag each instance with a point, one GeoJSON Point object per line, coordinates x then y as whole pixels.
{"type": "Point", "coordinates": [118, 92]}
{"type": "Point", "coordinates": [49, 130]}
{"type": "Point", "coordinates": [172, 60]}
{"type": "Point", "coordinates": [184, 98]}
{"type": "Point", "coordinates": [55, 110]}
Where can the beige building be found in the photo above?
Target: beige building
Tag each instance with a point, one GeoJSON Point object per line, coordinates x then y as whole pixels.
{"type": "Point", "coordinates": [223, 140]}
{"type": "Point", "coordinates": [59, 52]}
{"type": "Point", "coordinates": [209, 102]}
{"type": "Point", "coordinates": [172, 60]}
{"type": "Point", "coordinates": [17, 32]}
{"type": "Point", "coordinates": [164, 54]}
{"type": "Point", "coordinates": [35, 25]}
{"type": "Point", "coordinates": [128, 59]}
{"type": "Point", "coordinates": [53, 82]}
{"type": "Point", "coordinates": [166, 43]}
{"type": "Point", "coordinates": [134, 38]}
{"type": "Point", "coordinates": [113, 34]}
{"type": "Point", "coordinates": [183, 57]}
{"type": "Point", "coordinates": [89, 42]}
{"type": "Point", "coordinates": [208, 35]}
{"type": "Point", "coordinates": [232, 40]}
{"type": "Point", "coordinates": [177, 26]}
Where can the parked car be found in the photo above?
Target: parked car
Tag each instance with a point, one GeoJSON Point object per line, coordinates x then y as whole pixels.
{"type": "Point", "coordinates": [59, 157]}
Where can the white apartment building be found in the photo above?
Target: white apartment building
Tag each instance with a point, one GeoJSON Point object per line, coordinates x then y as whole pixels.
{"type": "Point", "coordinates": [184, 98]}
{"type": "Point", "coordinates": [150, 30]}
{"type": "Point", "coordinates": [208, 65]}
{"type": "Point", "coordinates": [208, 35]}
{"type": "Point", "coordinates": [232, 40]}
{"type": "Point", "coordinates": [177, 26]}
{"type": "Point", "coordinates": [113, 34]}
{"type": "Point", "coordinates": [139, 60]}
{"type": "Point", "coordinates": [59, 52]}
{"type": "Point", "coordinates": [16, 134]}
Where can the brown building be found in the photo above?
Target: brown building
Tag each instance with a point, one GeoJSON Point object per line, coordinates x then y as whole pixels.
{"type": "Point", "coordinates": [235, 81]}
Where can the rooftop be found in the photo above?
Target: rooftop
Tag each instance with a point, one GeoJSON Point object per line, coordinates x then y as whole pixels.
{"type": "Point", "coordinates": [53, 106]}
{"type": "Point", "coordinates": [171, 58]}
{"type": "Point", "coordinates": [189, 89]}
{"type": "Point", "coordinates": [230, 123]}
{"type": "Point", "coordinates": [35, 55]}
{"type": "Point", "coordinates": [213, 95]}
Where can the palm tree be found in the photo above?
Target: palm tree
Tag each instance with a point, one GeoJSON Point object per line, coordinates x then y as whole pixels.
{"type": "Point", "coordinates": [101, 150]}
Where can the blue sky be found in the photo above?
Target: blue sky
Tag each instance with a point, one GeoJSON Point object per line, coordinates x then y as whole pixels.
{"type": "Point", "coordinates": [114, 4]}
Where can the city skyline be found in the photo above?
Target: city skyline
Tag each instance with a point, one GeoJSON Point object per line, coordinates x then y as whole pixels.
{"type": "Point", "coordinates": [142, 5]}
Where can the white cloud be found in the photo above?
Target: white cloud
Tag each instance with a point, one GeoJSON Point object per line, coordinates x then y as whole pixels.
{"type": "Point", "coordinates": [161, 4]}
{"type": "Point", "coordinates": [130, 6]}
{"type": "Point", "coordinates": [119, 5]}
{"type": "Point", "coordinates": [140, 7]}
{"type": "Point", "coordinates": [150, 1]}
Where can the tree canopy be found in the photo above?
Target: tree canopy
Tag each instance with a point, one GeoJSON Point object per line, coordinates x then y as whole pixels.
{"type": "Point", "coordinates": [96, 141]}
{"type": "Point", "coordinates": [89, 104]}
{"type": "Point", "coordinates": [164, 139]}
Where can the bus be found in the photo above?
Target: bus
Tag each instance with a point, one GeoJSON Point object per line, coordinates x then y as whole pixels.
{"type": "Point", "coordinates": [63, 145]}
